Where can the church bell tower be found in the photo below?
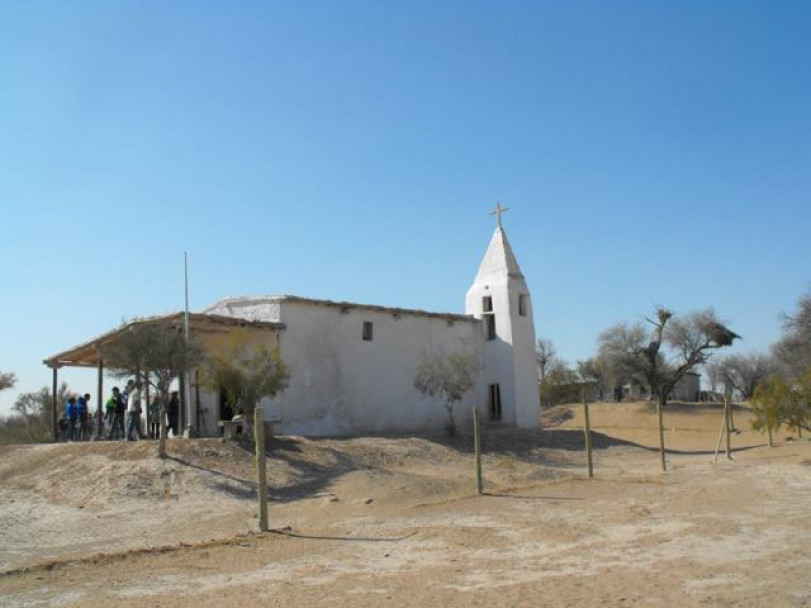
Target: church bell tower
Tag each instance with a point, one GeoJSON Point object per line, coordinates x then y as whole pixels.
{"type": "Point", "coordinates": [500, 298]}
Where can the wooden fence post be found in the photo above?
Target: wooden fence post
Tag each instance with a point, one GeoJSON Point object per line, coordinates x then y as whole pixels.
{"type": "Point", "coordinates": [54, 421]}
{"type": "Point", "coordinates": [477, 446]}
{"type": "Point", "coordinates": [727, 408]}
{"type": "Point", "coordinates": [259, 437]}
{"type": "Point", "coordinates": [587, 432]}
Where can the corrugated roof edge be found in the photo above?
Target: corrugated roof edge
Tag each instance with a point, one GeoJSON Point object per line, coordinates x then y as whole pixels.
{"type": "Point", "coordinates": [340, 304]}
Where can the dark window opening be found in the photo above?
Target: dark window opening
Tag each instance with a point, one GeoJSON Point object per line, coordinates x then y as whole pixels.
{"type": "Point", "coordinates": [487, 304]}
{"type": "Point", "coordinates": [522, 305]}
{"type": "Point", "coordinates": [367, 331]}
{"type": "Point", "coordinates": [490, 325]}
{"type": "Point", "coordinates": [495, 402]}
{"type": "Point", "coordinates": [226, 411]}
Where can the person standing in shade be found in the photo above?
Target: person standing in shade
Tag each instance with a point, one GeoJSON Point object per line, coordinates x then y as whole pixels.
{"type": "Point", "coordinates": [72, 416]}
{"type": "Point", "coordinates": [153, 411]}
{"type": "Point", "coordinates": [115, 415]}
{"type": "Point", "coordinates": [81, 407]}
{"type": "Point", "coordinates": [173, 413]}
{"type": "Point", "coordinates": [133, 410]}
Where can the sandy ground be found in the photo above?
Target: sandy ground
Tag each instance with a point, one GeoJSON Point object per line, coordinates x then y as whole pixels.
{"type": "Point", "coordinates": [396, 521]}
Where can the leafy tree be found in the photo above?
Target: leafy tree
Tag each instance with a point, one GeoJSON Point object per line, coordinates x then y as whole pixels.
{"type": "Point", "coordinates": [662, 357]}
{"type": "Point", "coordinates": [7, 380]}
{"type": "Point", "coordinates": [561, 385]}
{"type": "Point", "coordinates": [768, 406]}
{"type": "Point", "coordinates": [797, 404]}
{"type": "Point", "coordinates": [247, 376]}
{"type": "Point", "coordinates": [448, 377]}
{"type": "Point", "coordinates": [159, 354]}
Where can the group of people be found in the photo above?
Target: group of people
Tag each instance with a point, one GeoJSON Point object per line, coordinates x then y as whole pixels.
{"type": "Point", "coordinates": [75, 423]}
{"type": "Point", "coordinates": [122, 415]}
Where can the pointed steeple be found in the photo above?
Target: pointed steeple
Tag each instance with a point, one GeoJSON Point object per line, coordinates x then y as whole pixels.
{"type": "Point", "coordinates": [499, 260]}
{"type": "Point", "coordinates": [499, 297]}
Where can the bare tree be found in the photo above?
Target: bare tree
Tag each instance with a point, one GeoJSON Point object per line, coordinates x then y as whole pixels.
{"type": "Point", "coordinates": [662, 357]}
{"type": "Point", "coordinates": [546, 355]}
{"type": "Point", "coordinates": [597, 372]}
{"type": "Point", "coordinates": [448, 377]}
{"type": "Point", "coordinates": [745, 372]}
{"type": "Point", "coordinates": [247, 376]}
{"type": "Point", "coordinates": [35, 410]}
{"type": "Point", "coordinates": [715, 376]}
{"type": "Point", "coordinates": [155, 352]}
{"type": "Point", "coordinates": [7, 380]}
{"type": "Point", "coordinates": [793, 350]}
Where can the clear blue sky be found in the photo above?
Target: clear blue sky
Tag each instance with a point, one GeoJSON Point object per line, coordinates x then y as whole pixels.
{"type": "Point", "coordinates": [651, 153]}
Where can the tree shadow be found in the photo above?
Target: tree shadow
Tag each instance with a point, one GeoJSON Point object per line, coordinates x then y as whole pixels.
{"type": "Point", "coordinates": [708, 406]}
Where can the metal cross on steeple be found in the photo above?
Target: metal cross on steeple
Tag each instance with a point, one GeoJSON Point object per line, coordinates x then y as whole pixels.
{"type": "Point", "coordinates": [498, 211]}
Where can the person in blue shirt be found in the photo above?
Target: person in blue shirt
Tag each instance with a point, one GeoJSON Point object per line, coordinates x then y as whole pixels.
{"type": "Point", "coordinates": [83, 405]}
{"type": "Point", "coordinates": [72, 415]}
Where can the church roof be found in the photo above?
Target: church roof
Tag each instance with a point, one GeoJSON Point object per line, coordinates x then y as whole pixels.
{"type": "Point", "coordinates": [266, 308]}
{"type": "Point", "coordinates": [499, 259]}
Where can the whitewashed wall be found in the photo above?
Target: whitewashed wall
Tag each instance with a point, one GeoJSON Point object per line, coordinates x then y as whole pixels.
{"type": "Point", "coordinates": [343, 385]}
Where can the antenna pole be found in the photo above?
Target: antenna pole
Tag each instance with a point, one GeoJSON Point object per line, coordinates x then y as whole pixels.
{"type": "Point", "coordinates": [186, 396]}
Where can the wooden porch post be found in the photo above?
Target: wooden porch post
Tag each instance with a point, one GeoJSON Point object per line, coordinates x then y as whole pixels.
{"type": "Point", "coordinates": [54, 405]}
{"type": "Point", "coordinates": [100, 398]}
{"type": "Point", "coordinates": [197, 398]}
{"type": "Point", "coordinates": [146, 409]}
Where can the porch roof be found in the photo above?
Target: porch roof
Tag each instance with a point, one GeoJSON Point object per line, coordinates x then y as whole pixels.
{"type": "Point", "coordinates": [87, 353]}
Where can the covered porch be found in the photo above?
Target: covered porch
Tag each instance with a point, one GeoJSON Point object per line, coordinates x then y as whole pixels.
{"type": "Point", "coordinates": [90, 354]}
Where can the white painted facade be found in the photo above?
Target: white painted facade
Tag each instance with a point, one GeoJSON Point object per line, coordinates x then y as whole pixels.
{"type": "Point", "coordinates": [343, 383]}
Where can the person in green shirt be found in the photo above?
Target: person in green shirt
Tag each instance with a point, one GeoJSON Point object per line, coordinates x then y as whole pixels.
{"type": "Point", "coordinates": [113, 414]}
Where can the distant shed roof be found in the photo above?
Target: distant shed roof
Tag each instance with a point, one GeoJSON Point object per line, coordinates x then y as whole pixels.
{"type": "Point", "coordinates": [87, 353]}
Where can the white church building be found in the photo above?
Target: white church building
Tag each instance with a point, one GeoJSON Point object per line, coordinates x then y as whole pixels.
{"type": "Point", "coordinates": [352, 366]}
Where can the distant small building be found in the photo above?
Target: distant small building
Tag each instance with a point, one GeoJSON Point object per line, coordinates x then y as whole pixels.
{"type": "Point", "coordinates": [688, 388]}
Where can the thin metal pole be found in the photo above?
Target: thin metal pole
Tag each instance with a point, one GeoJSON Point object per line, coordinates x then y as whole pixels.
{"type": "Point", "coordinates": [186, 336]}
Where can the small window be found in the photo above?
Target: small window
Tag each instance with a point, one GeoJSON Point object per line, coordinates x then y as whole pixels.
{"type": "Point", "coordinates": [367, 331]}
{"type": "Point", "coordinates": [522, 305]}
{"type": "Point", "coordinates": [490, 325]}
{"type": "Point", "coordinates": [487, 304]}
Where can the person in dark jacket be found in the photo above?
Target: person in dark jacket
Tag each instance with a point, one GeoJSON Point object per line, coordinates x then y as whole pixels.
{"type": "Point", "coordinates": [173, 413]}
{"type": "Point", "coordinates": [83, 408]}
